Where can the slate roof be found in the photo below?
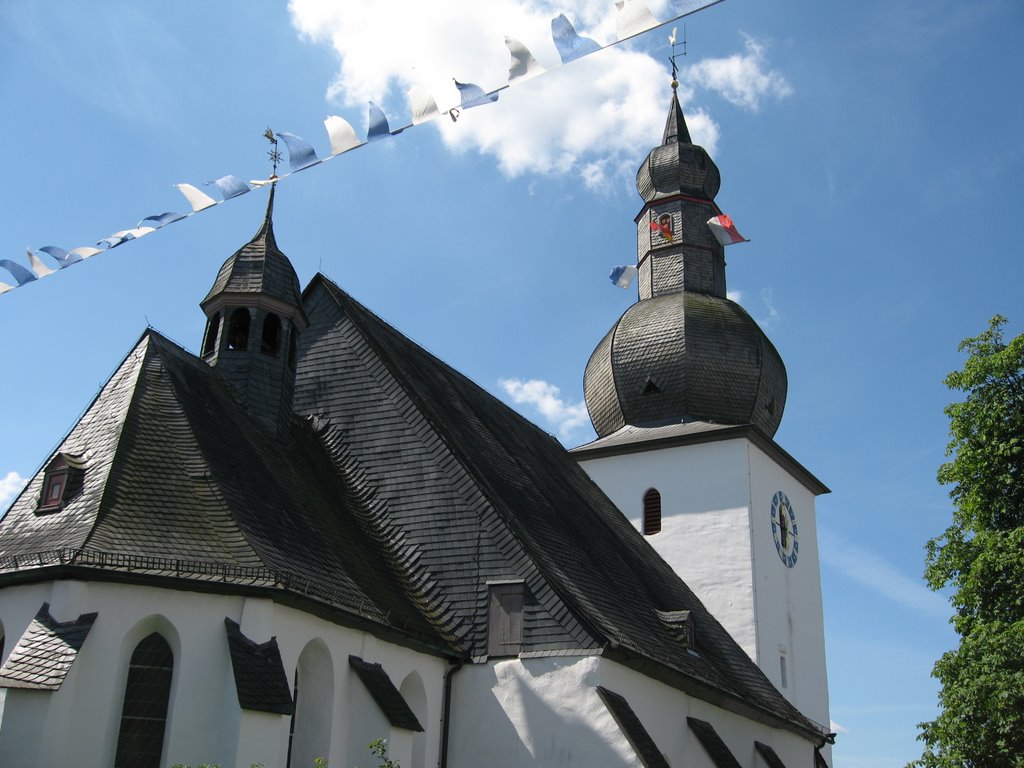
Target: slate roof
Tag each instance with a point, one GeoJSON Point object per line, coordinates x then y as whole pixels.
{"type": "Point", "coordinates": [384, 692]}
{"type": "Point", "coordinates": [260, 679]}
{"type": "Point", "coordinates": [400, 491]}
{"type": "Point", "coordinates": [717, 750]}
{"type": "Point", "coordinates": [183, 484]}
{"type": "Point", "coordinates": [636, 734]}
{"type": "Point", "coordinates": [43, 655]}
{"type": "Point", "coordinates": [259, 267]}
{"type": "Point", "coordinates": [706, 356]}
{"type": "Point", "coordinates": [769, 755]}
{"type": "Point", "coordinates": [576, 551]}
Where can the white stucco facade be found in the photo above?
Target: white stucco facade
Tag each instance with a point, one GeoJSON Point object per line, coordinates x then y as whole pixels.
{"type": "Point", "coordinates": [547, 712]}
{"type": "Point", "coordinates": [716, 501]}
{"type": "Point", "coordinates": [336, 718]}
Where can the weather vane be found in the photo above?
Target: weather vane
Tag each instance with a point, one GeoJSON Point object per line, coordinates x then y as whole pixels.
{"type": "Point", "coordinates": [274, 154]}
{"type": "Point", "coordinates": [672, 59]}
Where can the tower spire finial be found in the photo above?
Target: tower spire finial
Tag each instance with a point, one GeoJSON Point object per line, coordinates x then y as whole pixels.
{"type": "Point", "coordinates": [274, 154]}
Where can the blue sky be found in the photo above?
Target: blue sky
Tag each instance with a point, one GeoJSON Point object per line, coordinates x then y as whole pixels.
{"type": "Point", "coordinates": [867, 149]}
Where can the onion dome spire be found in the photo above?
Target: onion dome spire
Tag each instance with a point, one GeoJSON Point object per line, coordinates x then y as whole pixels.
{"type": "Point", "coordinates": [684, 352]}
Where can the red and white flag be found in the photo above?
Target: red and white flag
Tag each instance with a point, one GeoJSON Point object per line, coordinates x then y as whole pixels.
{"type": "Point", "coordinates": [725, 231]}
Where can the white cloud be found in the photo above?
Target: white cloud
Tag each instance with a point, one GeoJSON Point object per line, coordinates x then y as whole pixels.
{"type": "Point", "coordinates": [566, 417]}
{"type": "Point", "coordinates": [10, 486]}
{"type": "Point", "coordinates": [736, 296]}
{"type": "Point", "coordinates": [836, 727]}
{"type": "Point", "coordinates": [866, 568]}
{"type": "Point", "coordinates": [589, 119]}
{"type": "Point", "coordinates": [741, 79]}
{"type": "Point", "coordinates": [770, 320]}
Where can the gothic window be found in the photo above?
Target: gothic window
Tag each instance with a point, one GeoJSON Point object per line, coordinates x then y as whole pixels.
{"type": "Point", "coordinates": [505, 619]}
{"type": "Point", "coordinates": [652, 512]}
{"type": "Point", "coordinates": [140, 741]}
{"type": "Point", "coordinates": [210, 340]}
{"type": "Point", "coordinates": [238, 329]}
{"type": "Point", "coordinates": [270, 342]}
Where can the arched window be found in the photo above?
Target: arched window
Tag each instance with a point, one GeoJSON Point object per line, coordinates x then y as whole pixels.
{"type": "Point", "coordinates": [270, 342]}
{"type": "Point", "coordinates": [310, 730]}
{"type": "Point", "coordinates": [210, 340]}
{"type": "Point", "coordinates": [140, 740]}
{"type": "Point", "coordinates": [652, 512]}
{"type": "Point", "coordinates": [415, 696]}
{"type": "Point", "coordinates": [238, 329]}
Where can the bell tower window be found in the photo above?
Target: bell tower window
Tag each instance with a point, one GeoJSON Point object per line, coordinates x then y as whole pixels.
{"type": "Point", "coordinates": [652, 512]}
{"type": "Point", "coordinates": [292, 348]}
{"type": "Point", "coordinates": [210, 340]}
{"type": "Point", "coordinates": [270, 341]}
{"type": "Point", "coordinates": [238, 329]}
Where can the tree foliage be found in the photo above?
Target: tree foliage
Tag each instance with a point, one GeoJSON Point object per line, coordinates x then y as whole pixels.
{"type": "Point", "coordinates": [981, 557]}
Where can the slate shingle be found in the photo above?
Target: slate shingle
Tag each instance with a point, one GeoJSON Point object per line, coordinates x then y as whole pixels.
{"type": "Point", "coordinates": [712, 743]}
{"type": "Point", "coordinates": [260, 679]}
{"type": "Point", "coordinates": [44, 654]}
{"type": "Point", "coordinates": [384, 692]}
{"type": "Point", "coordinates": [634, 730]}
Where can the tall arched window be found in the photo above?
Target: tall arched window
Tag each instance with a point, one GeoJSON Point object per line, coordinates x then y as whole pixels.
{"type": "Point", "coordinates": [310, 729]}
{"type": "Point", "coordinates": [270, 341]}
{"type": "Point", "coordinates": [140, 740]}
{"type": "Point", "coordinates": [210, 340]}
{"type": "Point", "coordinates": [652, 512]}
{"type": "Point", "coordinates": [415, 696]}
{"type": "Point", "coordinates": [238, 329]}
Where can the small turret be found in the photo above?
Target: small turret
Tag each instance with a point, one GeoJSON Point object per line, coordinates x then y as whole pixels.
{"type": "Point", "coordinates": [254, 316]}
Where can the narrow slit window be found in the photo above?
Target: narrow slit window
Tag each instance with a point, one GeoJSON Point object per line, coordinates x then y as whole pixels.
{"type": "Point", "coordinates": [210, 340]}
{"type": "Point", "coordinates": [270, 342]}
{"type": "Point", "coordinates": [238, 329]}
{"type": "Point", "coordinates": [783, 677]}
{"type": "Point", "coordinates": [652, 512]}
{"type": "Point", "coordinates": [292, 347]}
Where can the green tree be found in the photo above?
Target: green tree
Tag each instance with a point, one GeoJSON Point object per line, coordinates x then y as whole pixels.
{"type": "Point", "coordinates": [981, 557]}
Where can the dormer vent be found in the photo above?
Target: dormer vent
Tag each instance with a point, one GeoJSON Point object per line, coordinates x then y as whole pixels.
{"type": "Point", "coordinates": [62, 481]}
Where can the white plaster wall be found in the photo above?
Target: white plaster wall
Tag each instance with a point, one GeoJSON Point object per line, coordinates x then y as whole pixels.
{"type": "Point", "coordinates": [790, 618]}
{"type": "Point", "coordinates": [663, 711]}
{"type": "Point", "coordinates": [705, 533]}
{"type": "Point", "coordinates": [533, 712]}
{"type": "Point", "coordinates": [716, 534]}
{"type": "Point", "coordinates": [517, 713]}
{"type": "Point", "coordinates": [205, 723]}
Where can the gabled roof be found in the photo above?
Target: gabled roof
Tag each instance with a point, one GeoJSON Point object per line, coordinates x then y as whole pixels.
{"type": "Point", "coordinates": [562, 534]}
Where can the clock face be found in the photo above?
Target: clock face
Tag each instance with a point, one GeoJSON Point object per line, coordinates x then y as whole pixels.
{"type": "Point", "coordinates": [784, 529]}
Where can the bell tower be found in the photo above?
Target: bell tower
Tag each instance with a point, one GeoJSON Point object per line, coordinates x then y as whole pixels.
{"type": "Point", "coordinates": [254, 316]}
{"type": "Point", "coordinates": [686, 393]}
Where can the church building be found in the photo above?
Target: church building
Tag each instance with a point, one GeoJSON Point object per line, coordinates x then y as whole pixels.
{"type": "Point", "coordinates": [315, 534]}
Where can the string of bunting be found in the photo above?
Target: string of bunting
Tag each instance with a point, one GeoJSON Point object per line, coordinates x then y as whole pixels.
{"type": "Point", "coordinates": [633, 18]}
